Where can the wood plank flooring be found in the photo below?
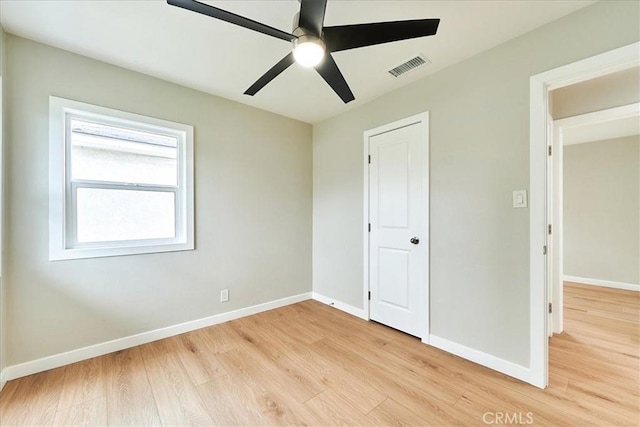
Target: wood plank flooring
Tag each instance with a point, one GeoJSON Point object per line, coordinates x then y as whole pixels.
{"type": "Point", "coordinates": [309, 364]}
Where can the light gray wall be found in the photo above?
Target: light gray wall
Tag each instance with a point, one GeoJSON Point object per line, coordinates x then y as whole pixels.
{"type": "Point", "coordinates": [612, 90]}
{"type": "Point", "coordinates": [479, 154]}
{"type": "Point", "coordinates": [253, 211]}
{"type": "Point", "coordinates": [601, 210]}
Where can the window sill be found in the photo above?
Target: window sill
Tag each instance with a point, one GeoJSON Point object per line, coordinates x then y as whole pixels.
{"type": "Point", "coordinates": [82, 253]}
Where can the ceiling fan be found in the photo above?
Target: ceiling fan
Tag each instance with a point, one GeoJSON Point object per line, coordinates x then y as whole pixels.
{"type": "Point", "coordinates": [313, 42]}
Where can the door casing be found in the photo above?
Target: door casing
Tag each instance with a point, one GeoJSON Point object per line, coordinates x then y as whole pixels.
{"type": "Point", "coordinates": [423, 120]}
{"type": "Point", "coordinates": [539, 86]}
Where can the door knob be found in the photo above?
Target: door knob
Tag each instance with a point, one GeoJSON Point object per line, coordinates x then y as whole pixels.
{"type": "Point", "coordinates": [415, 240]}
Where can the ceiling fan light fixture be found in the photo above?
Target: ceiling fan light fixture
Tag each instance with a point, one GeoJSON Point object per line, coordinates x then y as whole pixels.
{"type": "Point", "coordinates": [308, 50]}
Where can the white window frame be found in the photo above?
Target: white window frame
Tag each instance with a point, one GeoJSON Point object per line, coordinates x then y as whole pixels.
{"type": "Point", "coordinates": [63, 244]}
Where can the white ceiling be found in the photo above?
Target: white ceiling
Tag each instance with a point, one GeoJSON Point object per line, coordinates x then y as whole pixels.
{"type": "Point", "coordinates": [222, 59]}
{"type": "Point", "coordinates": [611, 129]}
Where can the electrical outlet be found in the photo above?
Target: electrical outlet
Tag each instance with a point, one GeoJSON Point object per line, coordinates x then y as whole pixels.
{"type": "Point", "coordinates": [224, 295]}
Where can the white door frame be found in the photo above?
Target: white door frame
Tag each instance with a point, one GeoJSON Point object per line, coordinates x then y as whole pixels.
{"type": "Point", "coordinates": [540, 85]}
{"type": "Point", "coordinates": [2, 293]}
{"type": "Point", "coordinates": [423, 120]}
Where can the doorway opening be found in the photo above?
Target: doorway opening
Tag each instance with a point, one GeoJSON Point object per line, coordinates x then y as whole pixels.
{"type": "Point", "coordinates": [541, 200]}
{"type": "Point", "coordinates": [602, 246]}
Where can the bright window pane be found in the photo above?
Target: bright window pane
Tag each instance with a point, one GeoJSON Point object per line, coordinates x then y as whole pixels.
{"type": "Point", "coordinates": [106, 215]}
{"type": "Point", "coordinates": [107, 153]}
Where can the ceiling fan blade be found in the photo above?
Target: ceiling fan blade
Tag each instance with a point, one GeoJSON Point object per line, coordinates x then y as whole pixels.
{"type": "Point", "coordinates": [352, 36]}
{"type": "Point", "coordinates": [232, 18]}
{"type": "Point", "coordinates": [271, 74]}
{"type": "Point", "coordinates": [312, 15]}
{"type": "Point", "coordinates": [330, 72]}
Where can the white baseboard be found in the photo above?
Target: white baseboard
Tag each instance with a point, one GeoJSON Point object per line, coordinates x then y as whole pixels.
{"type": "Point", "coordinates": [354, 311]}
{"type": "Point", "coordinates": [57, 360]}
{"type": "Point", "coordinates": [605, 283]}
{"type": "Point", "coordinates": [3, 380]}
{"type": "Point", "coordinates": [508, 368]}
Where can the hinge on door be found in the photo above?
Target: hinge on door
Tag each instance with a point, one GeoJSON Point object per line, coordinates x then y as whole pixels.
{"type": "Point", "coordinates": [369, 158]}
{"type": "Point", "coordinates": [369, 295]}
{"type": "Point", "coordinates": [549, 228]}
{"type": "Point", "coordinates": [544, 250]}
{"type": "Point", "coordinates": [369, 227]}
{"type": "Point", "coordinates": [550, 150]}
{"type": "Point", "coordinates": [550, 308]}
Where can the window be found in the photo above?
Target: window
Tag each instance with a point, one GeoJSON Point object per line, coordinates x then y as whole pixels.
{"type": "Point", "coordinates": [120, 183]}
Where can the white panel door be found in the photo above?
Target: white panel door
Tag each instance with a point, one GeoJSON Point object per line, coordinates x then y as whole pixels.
{"type": "Point", "coordinates": [398, 240]}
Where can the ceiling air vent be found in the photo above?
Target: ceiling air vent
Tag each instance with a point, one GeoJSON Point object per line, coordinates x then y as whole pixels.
{"type": "Point", "coordinates": [412, 64]}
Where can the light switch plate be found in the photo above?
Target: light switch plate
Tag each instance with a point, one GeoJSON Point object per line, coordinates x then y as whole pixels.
{"type": "Point", "coordinates": [520, 199]}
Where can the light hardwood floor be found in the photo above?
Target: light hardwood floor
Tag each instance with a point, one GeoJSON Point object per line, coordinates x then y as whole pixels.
{"type": "Point", "coordinates": [309, 364]}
